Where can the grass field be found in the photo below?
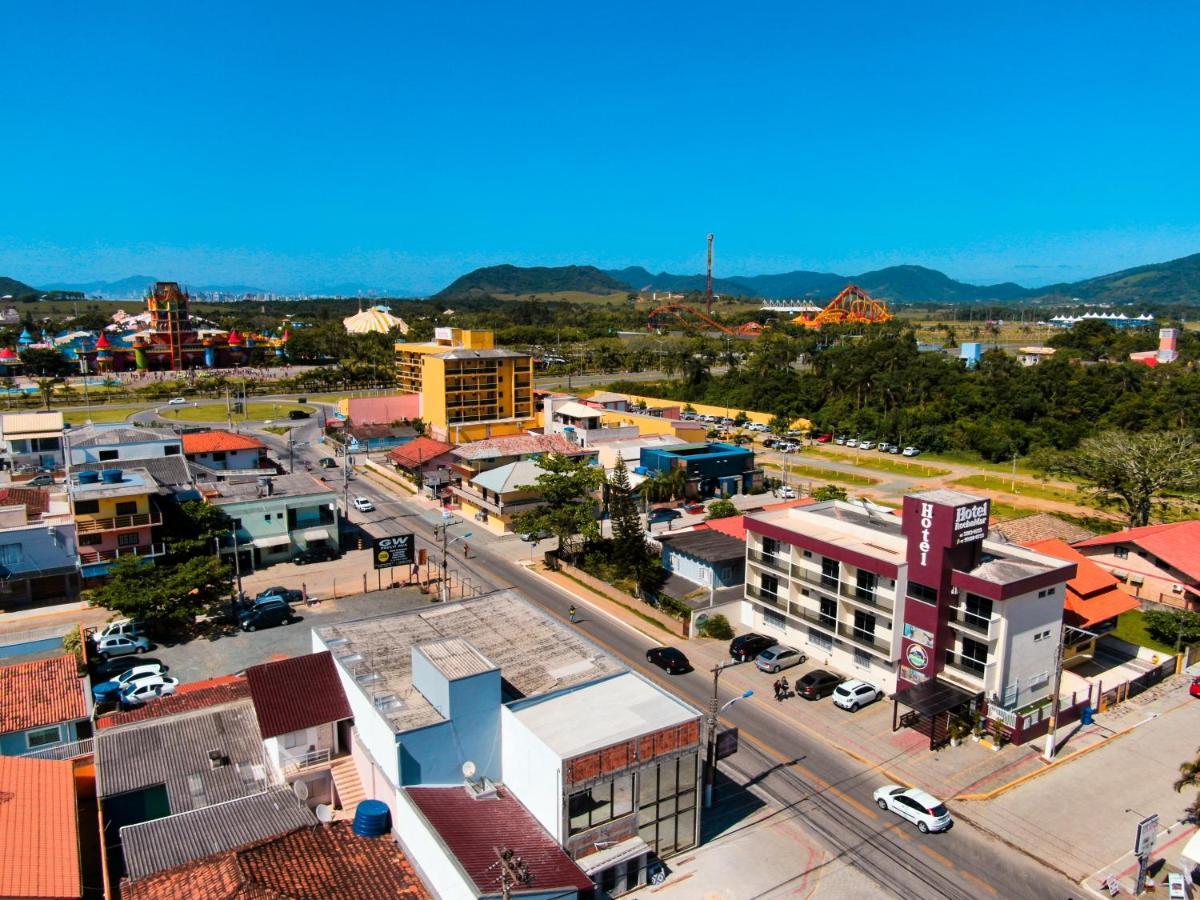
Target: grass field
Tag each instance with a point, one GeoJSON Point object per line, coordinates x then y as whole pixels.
{"type": "Point", "coordinates": [256, 411]}
{"type": "Point", "coordinates": [97, 414]}
{"type": "Point", "coordinates": [881, 463]}
{"type": "Point", "coordinates": [1131, 627]}
{"type": "Point", "coordinates": [976, 462]}
{"type": "Point", "coordinates": [1002, 511]}
{"type": "Point", "coordinates": [1022, 488]}
{"type": "Point", "coordinates": [819, 473]}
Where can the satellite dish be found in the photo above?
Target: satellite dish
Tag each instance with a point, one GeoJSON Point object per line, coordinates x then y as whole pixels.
{"type": "Point", "coordinates": [324, 813]}
{"type": "Point", "coordinates": [468, 769]}
{"type": "Point", "coordinates": [300, 789]}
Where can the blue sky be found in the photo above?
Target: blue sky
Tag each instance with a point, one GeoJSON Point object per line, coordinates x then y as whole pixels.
{"type": "Point", "coordinates": [304, 145]}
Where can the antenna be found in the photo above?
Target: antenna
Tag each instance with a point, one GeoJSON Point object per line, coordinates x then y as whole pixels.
{"type": "Point", "coordinates": [708, 295]}
{"type": "Point", "coordinates": [300, 789]}
{"type": "Point", "coordinates": [324, 812]}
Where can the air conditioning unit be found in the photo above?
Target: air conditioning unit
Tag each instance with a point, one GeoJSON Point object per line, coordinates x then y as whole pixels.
{"type": "Point", "coordinates": [1177, 588]}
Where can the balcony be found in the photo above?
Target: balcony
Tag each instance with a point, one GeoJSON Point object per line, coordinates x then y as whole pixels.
{"type": "Point", "coordinates": [69, 750]}
{"type": "Point", "coordinates": [777, 563]}
{"type": "Point", "coordinates": [965, 665]}
{"type": "Point", "coordinates": [295, 763]}
{"type": "Point", "coordinates": [118, 523]}
{"type": "Point", "coordinates": [972, 623]}
{"type": "Point", "coordinates": [89, 557]}
{"type": "Point", "coordinates": [772, 599]}
{"type": "Point", "coordinates": [862, 637]}
{"type": "Point", "coordinates": [812, 617]}
{"type": "Point", "coordinates": [845, 589]}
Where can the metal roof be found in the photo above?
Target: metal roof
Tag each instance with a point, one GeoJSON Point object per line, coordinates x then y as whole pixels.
{"type": "Point", "coordinates": [706, 545]}
{"type": "Point", "coordinates": [108, 435]}
{"type": "Point", "coordinates": [455, 658]}
{"type": "Point", "coordinates": [281, 708]}
{"type": "Point", "coordinates": [160, 844]}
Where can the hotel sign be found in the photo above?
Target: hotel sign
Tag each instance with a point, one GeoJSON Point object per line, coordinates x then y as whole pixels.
{"type": "Point", "coordinates": [971, 522]}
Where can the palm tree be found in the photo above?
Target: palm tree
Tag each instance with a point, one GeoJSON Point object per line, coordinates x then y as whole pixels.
{"type": "Point", "coordinates": [1189, 776]}
{"type": "Point", "coordinates": [45, 388]}
{"type": "Point", "coordinates": [665, 485]}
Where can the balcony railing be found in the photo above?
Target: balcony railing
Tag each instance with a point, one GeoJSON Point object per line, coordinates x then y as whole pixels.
{"type": "Point", "coordinates": [756, 591]}
{"type": "Point", "coordinates": [974, 622]}
{"type": "Point", "coordinates": [829, 623]}
{"type": "Point", "coordinates": [117, 523]}
{"type": "Point", "coordinates": [965, 664]}
{"type": "Point", "coordinates": [88, 557]}
{"type": "Point", "coordinates": [70, 750]}
{"type": "Point", "coordinates": [849, 590]}
{"type": "Point", "coordinates": [778, 563]}
{"type": "Point", "coordinates": [861, 636]}
{"type": "Point", "coordinates": [293, 763]}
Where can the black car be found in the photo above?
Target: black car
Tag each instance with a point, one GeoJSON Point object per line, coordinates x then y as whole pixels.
{"type": "Point", "coordinates": [746, 647]}
{"type": "Point", "coordinates": [315, 555]}
{"type": "Point", "coordinates": [288, 595]}
{"type": "Point", "coordinates": [107, 669]}
{"type": "Point", "coordinates": [817, 684]}
{"type": "Point", "coordinates": [668, 659]}
{"type": "Point", "coordinates": [265, 614]}
{"type": "Point", "coordinates": [299, 414]}
{"type": "Point", "coordinates": [327, 462]}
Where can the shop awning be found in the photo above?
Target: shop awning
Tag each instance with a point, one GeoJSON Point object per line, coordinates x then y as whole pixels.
{"type": "Point", "coordinates": [316, 534]}
{"type": "Point", "coordinates": [933, 697]}
{"type": "Point", "coordinates": [263, 543]}
{"type": "Point", "coordinates": [614, 855]}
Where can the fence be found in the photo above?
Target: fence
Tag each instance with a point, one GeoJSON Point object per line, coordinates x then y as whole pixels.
{"type": "Point", "coordinates": [608, 594]}
{"type": "Point", "coordinates": [71, 750]}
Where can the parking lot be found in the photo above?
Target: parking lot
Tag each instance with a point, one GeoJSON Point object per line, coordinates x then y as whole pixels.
{"type": "Point", "coordinates": [229, 650]}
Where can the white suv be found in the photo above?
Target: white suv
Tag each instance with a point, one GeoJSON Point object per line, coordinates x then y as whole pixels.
{"type": "Point", "coordinates": [854, 694]}
{"type": "Point", "coordinates": [915, 805]}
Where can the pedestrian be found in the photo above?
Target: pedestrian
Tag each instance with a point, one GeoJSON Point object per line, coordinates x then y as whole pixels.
{"type": "Point", "coordinates": [571, 613]}
{"type": "Point", "coordinates": [784, 686]}
{"type": "Point", "coordinates": [466, 550]}
{"type": "Point", "coordinates": [777, 689]}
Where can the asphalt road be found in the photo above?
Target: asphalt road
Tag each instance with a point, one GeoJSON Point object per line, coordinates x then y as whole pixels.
{"type": "Point", "coordinates": [831, 793]}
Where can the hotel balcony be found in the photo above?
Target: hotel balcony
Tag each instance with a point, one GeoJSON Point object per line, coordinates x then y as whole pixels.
{"type": "Point", "coordinates": [869, 640]}
{"type": "Point", "coordinates": [89, 557]}
{"type": "Point", "coordinates": [964, 667]}
{"type": "Point", "coordinates": [813, 617]}
{"type": "Point", "coordinates": [832, 587]}
{"type": "Point", "coordinates": [771, 599]}
{"type": "Point", "coordinates": [118, 523]}
{"type": "Point", "coordinates": [776, 563]}
{"type": "Point", "coordinates": [974, 625]}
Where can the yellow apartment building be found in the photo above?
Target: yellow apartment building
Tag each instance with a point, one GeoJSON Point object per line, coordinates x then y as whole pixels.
{"type": "Point", "coordinates": [470, 390]}
{"type": "Point", "coordinates": [114, 517]}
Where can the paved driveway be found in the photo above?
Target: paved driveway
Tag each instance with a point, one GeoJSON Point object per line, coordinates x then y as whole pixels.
{"type": "Point", "coordinates": [232, 650]}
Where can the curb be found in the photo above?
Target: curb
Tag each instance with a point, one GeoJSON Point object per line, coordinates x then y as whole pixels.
{"type": "Point", "coordinates": [587, 599]}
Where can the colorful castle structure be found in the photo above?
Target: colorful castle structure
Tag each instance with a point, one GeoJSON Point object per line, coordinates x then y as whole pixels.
{"type": "Point", "coordinates": [172, 341]}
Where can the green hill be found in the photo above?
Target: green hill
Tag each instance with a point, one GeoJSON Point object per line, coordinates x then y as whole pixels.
{"type": "Point", "coordinates": [18, 289]}
{"type": "Point", "coordinates": [532, 280]}
{"type": "Point", "coordinates": [1174, 281]}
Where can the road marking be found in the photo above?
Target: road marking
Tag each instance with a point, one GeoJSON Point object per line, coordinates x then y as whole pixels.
{"type": "Point", "coordinates": [979, 881]}
{"type": "Point", "coordinates": [933, 854]}
{"type": "Point", "coordinates": [813, 777]}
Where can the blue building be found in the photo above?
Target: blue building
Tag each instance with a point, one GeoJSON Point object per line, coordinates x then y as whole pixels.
{"type": "Point", "coordinates": [712, 469]}
{"type": "Point", "coordinates": [705, 558]}
{"type": "Point", "coordinates": [970, 352]}
{"type": "Point", "coordinates": [44, 705]}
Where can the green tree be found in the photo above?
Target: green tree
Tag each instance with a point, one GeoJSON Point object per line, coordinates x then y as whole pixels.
{"type": "Point", "coordinates": [716, 627]}
{"type": "Point", "coordinates": [45, 388]}
{"type": "Point", "coordinates": [722, 509]}
{"type": "Point", "coordinates": [167, 598]}
{"type": "Point", "coordinates": [829, 492]}
{"type": "Point", "coordinates": [568, 511]}
{"type": "Point", "coordinates": [1135, 471]}
{"type": "Point", "coordinates": [1189, 777]}
{"type": "Point", "coordinates": [1176, 626]}
{"type": "Point", "coordinates": [629, 546]}
{"type": "Point", "coordinates": [418, 425]}
{"type": "Point", "coordinates": [193, 528]}
{"type": "Point", "coordinates": [45, 361]}
{"type": "Point", "coordinates": [665, 485]}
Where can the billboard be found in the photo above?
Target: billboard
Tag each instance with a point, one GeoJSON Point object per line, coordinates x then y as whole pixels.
{"type": "Point", "coordinates": [727, 743]}
{"type": "Point", "coordinates": [971, 522]}
{"type": "Point", "coordinates": [394, 550]}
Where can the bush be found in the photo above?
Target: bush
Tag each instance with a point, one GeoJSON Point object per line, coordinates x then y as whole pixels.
{"type": "Point", "coordinates": [1172, 627]}
{"type": "Point", "coordinates": [716, 627]}
{"type": "Point", "coordinates": [73, 643]}
{"type": "Point", "coordinates": [721, 509]}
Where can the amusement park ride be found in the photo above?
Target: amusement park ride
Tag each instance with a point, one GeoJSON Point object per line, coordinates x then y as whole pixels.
{"type": "Point", "coordinates": [852, 306]}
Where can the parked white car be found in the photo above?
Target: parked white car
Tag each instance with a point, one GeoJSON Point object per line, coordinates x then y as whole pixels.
{"type": "Point", "coordinates": [910, 451]}
{"type": "Point", "coordinates": [139, 673]}
{"type": "Point", "coordinates": [126, 627]}
{"type": "Point", "coordinates": [364, 504]}
{"type": "Point", "coordinates": [121, 645]}
{"type": "Point", "coordinates": [148, 689]}
{"type": "Point", "coordinates": [916, 805]}
{"type": "Point", "coordinates": [855, 694]}
{"type": "Point", "coordinates": [785, 493]}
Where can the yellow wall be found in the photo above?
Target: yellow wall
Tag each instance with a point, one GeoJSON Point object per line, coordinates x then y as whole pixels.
{"type": "Point", "coordinates": [495, 524]}
{"type": "Point", "coordinates": [708, 410]}
{"type": "Point", "coordinates": [108, 507]}
{"type": "Point", "coordinates": [647, 424]}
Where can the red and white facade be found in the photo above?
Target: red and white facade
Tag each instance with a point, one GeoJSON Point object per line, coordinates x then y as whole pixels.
{"type": "Point", "coordinates": [900, 601]}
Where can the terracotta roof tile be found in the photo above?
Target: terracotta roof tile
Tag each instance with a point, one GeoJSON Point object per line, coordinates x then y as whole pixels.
{"type": "Point", "coordinates": [1093, 595]}
{"type": "Point", "coordinates": [419, 451]}
{"type": "Point", "coordinates": [42, 692]}
{"type": "Point", "coordinates": [518, 445]}
{"type": "Point", "coordinates": [322, 862]}
{"type": "Point", "coordinates": [1176, 543]}
{"type": "Point", "coordinates": [39, 853]}
{"type": "Point", "coordinates": [383, 410]}
{"type": "Point", "coordinates": [297, 693]}
{"type": "Point", "coordinates": [35, 500]}
{"type": "Point", "coordinates": [472, 829]}
{"type": "Point", "coordinates": [1041, 526]}
{"type": "Point", "coordinates": [187, 697]}
{"type": "Point", "coordinates": [218, 441]}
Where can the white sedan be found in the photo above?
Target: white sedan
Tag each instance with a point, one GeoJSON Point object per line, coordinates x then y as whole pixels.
{"type": "Point", "coordinates": [139, 692]}
{"type": "Point", "coordinates": [364, 504]}
{"type": "Point", "coordinates": [176, 401]}
{"type": "Point", "coordinates": [139, 673]}
{"type": "Point", "coordinates": [916, 805]}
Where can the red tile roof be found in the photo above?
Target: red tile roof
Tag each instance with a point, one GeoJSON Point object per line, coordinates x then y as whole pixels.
{"type": "Point", "coordinates": [219, 441]}
{"type": "Point", "coordinates": [322, 862]}
{"type": "Point", "coordinates": [35, 500]}
{"type": "Point", "coordinates": [39, 854]}
{"type": "Point", "coordinates": [518, 445]}
{"type": "Point", "coordinates": [383, 410]}
{"type": "Point", "coordinates": [418, 452]}
{"type": "Point", "coordinates": [473, 827]}
{"type": "Point", "coordinates": [42, 692]}
{"type": "Point", "coordinates": [297, 693]}
{"type": "Point", "coordinates": [1175, 543]}
{"type": "Point", "coordinates": [1093, 595]}
{"type": "Point", "coordinates": [735, 526]}
{"type": "Point", "coordinates": [187, 697]}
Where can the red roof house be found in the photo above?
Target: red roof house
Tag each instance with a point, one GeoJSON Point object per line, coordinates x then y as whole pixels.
{"type": "Point", "coordinates": [39, 821]}
{"type": "Point", "coordinates": [37, 697]}
{"type": "Point", "coordinates": [1093, 596]}
{"type": "Point", "coordinates": [1159, 562]}
{"type": "Point", "coordinates": [421, 452]}
{"type": "Point", "coordinates": [219, 441]}
{"type": "Point", "coordinates": [297, 693]}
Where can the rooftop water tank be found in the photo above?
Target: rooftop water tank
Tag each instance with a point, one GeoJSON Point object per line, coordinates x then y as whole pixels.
{"type": "Point", "coordinates": [89, 477]}
{"type": "Point", "coordinates": [372, 819]}
{"type": "Point", "coordinates": [111, 476]}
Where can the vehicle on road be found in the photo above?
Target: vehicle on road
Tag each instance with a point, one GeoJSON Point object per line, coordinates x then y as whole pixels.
{"type": "Point", "coordinates": [756, 426]}
{"type": "Point", "coordinates": [865, 445]}
{"type": "Point", "coordinates": [327, 462]}
{"type": "Point", "coordinates": [127, 627]}
{"type": "Point", "coordinates": [288, 595]}
{"type": "Point", "coordinates": [824, 438]}
{"type": "Point", "coordinates": [894, 449]}
{"type": "Point", "coordinates": [138, 692]}
{"type": "Point", "coordinates": [916, 805]}
{"type": "Point", "coordinates": [746, 647]}
{"type": "Point", "coordinates": [364, 504]}
{"type": "Point", "coordinates": [778, 657]}
{"type": "Point", "coordinates": [532, 537]}
{"type": "Point", "coordinates": [817, 683]}
{"type": "Point", "coordinates": [853, 442]}
{"type": "Point", "coordinates": [1194, 687]}
{"type": "Point", "coordinates": [41, 481]}
{"type": "Point", "coordinates": [693, 509]}
{"type": "Point", "coordinates": [176, 401]}
{"type": "Point", "coordinates": [668, 659]}
{"type": "Point", "coordinates": [786, 492]}
{"type": "Point", "coordinates": [106, 670]}
{"type": "Point", "coordinates": [315, 555]}
{"type": "Point", "coordinates": [299, 414]}
{"type": "Point", "coordinates": [121, 645]}
{"type": "Point", "coordinates": [855, 694]}
{"type": "Point", "coordinates": [884, 447]}
{"type": "Point", "coordinates": [911, 451]}
{"type": "Point", "coordinates": [265, 614]}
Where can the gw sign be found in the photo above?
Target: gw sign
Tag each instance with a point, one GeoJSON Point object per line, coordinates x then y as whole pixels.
{"type": "Point", "coordinates": [393, 551]}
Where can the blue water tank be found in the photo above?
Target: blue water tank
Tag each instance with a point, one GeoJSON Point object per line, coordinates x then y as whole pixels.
{"type": "Point", "coordinates": [106, 692]}
{"type": "Point", "coordinates": [111, 476]}
{"type": "Point", "coordinates": [89, 477]}
{"type": "Point", "coordinates": [372, 819]}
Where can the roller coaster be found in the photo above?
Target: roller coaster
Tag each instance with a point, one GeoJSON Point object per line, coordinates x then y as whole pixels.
{"type": "Point", "coordinates": [852, 306]}
{"type": "Point", "coordinates": [693, 318]}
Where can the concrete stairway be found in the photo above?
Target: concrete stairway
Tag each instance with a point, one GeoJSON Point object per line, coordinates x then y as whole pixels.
{"type": "Point", "coordinates": [347, 785]}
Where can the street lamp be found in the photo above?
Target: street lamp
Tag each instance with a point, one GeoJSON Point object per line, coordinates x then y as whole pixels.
{"type": "Point", "coordinates": [715, 710]}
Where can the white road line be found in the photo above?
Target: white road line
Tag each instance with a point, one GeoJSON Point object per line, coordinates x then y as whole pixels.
{"type": "Point", "coordinates": [604, 612]}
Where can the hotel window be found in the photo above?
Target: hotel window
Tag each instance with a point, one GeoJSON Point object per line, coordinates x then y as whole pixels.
{"type": "Point", "coordinates": [864, 626]}
{"type": "Point", "coordinates": [770, 587]}
{"type": "Point", "coordinates": [862, 659]}
{"type": "Point", "coordinates": [667, 804]}
{"type": "Point", "coordinates": [828, 613]}
{"type": "Point", "coordinates": [817, 639]}
{"type": "Point", "coordinates": [774, 619]}
{"type": "Point", "coordinates": [600, 803]}
{"type": "Point", "coordinates": [829, 572]}
{"type": "Point", "coordinates": [770, 546]}
{"type": "Point", "coordinates": [974, 655]}
{"type": "Point", "coordinates": [864, 589]}
{"type": "Point", "coordinates": [922, 592]}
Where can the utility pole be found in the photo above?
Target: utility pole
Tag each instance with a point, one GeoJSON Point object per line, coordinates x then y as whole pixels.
{"type": "Point", "coordinates": [514, 871]}
{"type": "Point", "coordinates": [714, 716]}
{"type": "Point", "coordinates": [708, 292]}
{"type": "Point", "coordinates": [1056, 685]}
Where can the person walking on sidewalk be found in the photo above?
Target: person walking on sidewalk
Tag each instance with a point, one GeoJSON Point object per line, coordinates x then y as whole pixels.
{"type": "Point", "coordinates": [571, 613]}
{"type": "Point", "coordinates": [778, 690]}
{"type": "Point", "coordinates": [784, 687]}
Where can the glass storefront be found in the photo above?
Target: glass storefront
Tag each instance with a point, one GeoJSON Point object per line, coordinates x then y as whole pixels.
{"type": "Point", "coordinates": [667, 798]}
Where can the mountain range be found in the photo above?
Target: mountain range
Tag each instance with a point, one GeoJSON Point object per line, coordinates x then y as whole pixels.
{"type": "Point", "coordinates": [135, 286]}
